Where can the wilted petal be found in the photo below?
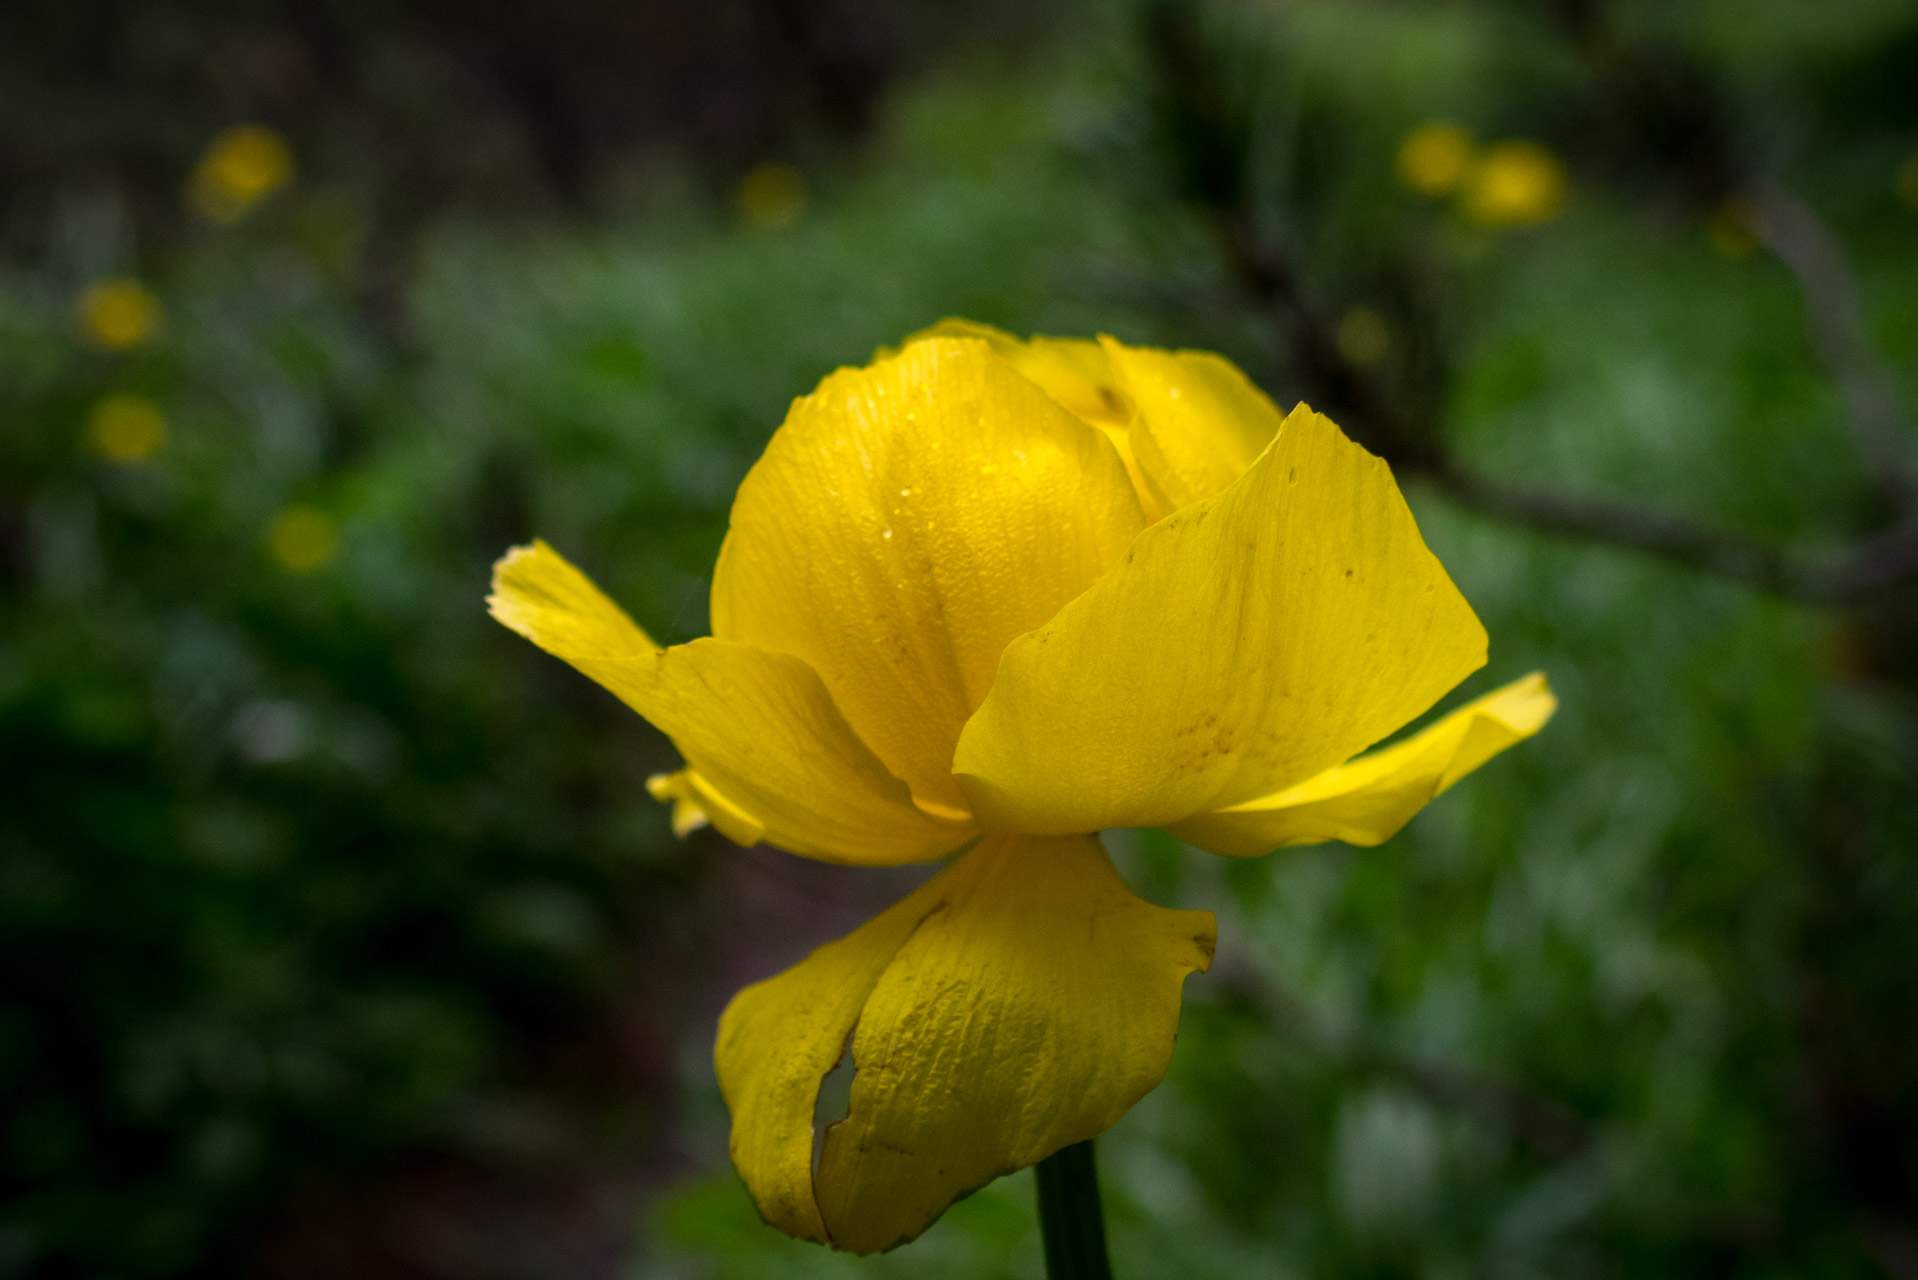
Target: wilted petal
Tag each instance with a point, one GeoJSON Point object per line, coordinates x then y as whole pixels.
{"type": "Point", "coordinates": [907, 521]}
{"type": "Point", "coordinates": [777, 1041]}
{"type": "Point", "coordinates": [1020, 1002]}
{"type": "Point", "coordinates": [773, 755]}
{"type": "Point", "coordinates": [1365, 801]}
{"type": "Point", "coordinates": [1243, 644]}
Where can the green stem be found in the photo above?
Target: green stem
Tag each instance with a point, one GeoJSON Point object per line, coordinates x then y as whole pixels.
{"type": "Point", "coordinates": [1071, 1220]}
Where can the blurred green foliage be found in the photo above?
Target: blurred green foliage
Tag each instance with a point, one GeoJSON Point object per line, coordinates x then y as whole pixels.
{"type": "Point", "coordinates": [306, 867]}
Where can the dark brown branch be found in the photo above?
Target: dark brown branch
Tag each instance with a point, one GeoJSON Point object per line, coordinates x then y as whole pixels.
{"type": "Point", "coordinates": [1725, 555]}
{"type": "Point", "coordinates": [1336, 385]}
{"type": "Point", "coordinates": [1840, 577]}
{"type": "Point", "coordinates": [1845, 576]}
{"type": "Point", "coordinates": [1835, 316]}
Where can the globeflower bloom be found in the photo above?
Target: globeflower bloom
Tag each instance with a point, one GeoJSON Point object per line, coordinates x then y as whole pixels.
{"type": "Point", "coordinates": [244, 164]}
{"type": "Point", "coordinates": [1514, 184]}
{"type": "Point", "coordinates": [986, 598]}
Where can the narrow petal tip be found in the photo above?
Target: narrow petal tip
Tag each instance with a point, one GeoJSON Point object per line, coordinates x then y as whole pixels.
{"type": "Point", "coordinates": [676, 789]}
{"type": "Point", "coordinates": [538, 593]}
{"type": "Point", "coordinates": [1525, 704]}
{"type": "Point", "coordinates": [1366, 800]}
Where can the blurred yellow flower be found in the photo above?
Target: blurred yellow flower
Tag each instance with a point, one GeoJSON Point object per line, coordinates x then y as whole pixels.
{"type": "Point", "coordinates": [1907, 181]}
{"type": "Point", "coordinates": [118, 313]}
{"type": "Point", "coordinates": [1514, 183]}
{"type": "Point", "coordinates": [126, 427]}
{"type": "Point", "coordinates": [242, 166]}
{"type": "Point", "coordinates": [1364, 337]}
{"type": "Point", "coordinates": [1434, 157]}
{"type": "Point", "coordinates": [772, 195]}
{"type": "Point", "coordinates": [978, 601]}
{"type": "Point", "coordinates": [1733, 227]}
{"type": "Point", "coordinates": [302, 539]}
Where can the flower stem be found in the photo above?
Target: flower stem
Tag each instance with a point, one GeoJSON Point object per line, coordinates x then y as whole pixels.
{"type": "Point", "coordinates": [1071, 1220]}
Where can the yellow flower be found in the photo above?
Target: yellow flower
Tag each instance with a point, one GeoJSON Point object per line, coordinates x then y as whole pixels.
{"type": "Point", "coordinates": [986, 598]}
{"type": "Point", "coordinates": [1513, 184]}
{"type": "Point", "coordinates": [118, 314]}
{"type": "Point", "coordinates": [772, 195]}
{"type": "Point", "coordinates": [1906, 183]}
{"type": "Point", "coordinates": [1434, 157]}
{"type": "Point", "coordinates": [1364, 337]}
{"type": "Point", "coordinates": [242, 166]}
{"type": "Point", "coordinates": [1733, 228]}
{"type": "Point", "coordinates": [302, 539]}
{"type": "Point", "coordinates": [126, 428]}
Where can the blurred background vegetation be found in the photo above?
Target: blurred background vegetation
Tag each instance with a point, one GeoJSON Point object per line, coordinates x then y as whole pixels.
{"type": "Point", "coordinates": [337, 934]}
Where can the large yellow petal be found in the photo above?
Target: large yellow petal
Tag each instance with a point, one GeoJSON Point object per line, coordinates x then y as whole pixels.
{"type": "Point", "coordinates": [1200, 422]}
{"type": "Point", "coordinates": [1365, 801]}
{"type": "Point", "coordinates": [1020, 1002]}
{"type": "Point", "coordinates": [907, 521]}
{"type": "Point", "coordinates": [1244, 644]}
{"type": "Point", "coordinates": [771, 752]}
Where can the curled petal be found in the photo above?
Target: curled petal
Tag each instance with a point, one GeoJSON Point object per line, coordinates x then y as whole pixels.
{"type": "Point", "coordinates": [1244, 644]}
{"type": "Point", "coordinates": [772, 755]}
{"type": "Point", "coordinates": [1365, 801]}
{"type": "Point", "coordinates": [1021, 1001]}
{"type": "Point", "coordinates": [907, 521]}
{"type": "Point", "coordinates": [1200, 422]}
